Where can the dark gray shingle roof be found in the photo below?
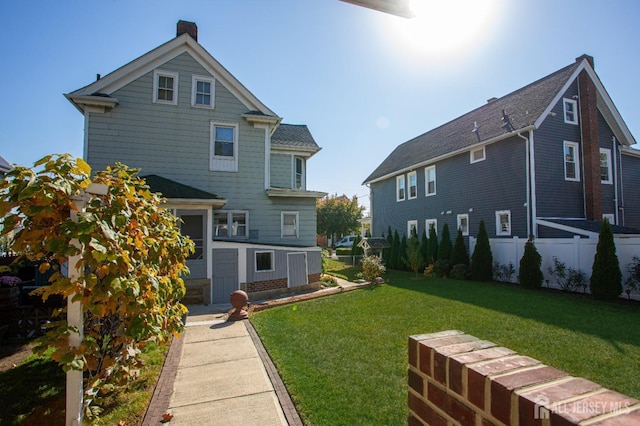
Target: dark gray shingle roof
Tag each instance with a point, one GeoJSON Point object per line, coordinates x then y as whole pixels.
{"type": "Point", "coordinates": [523, 107]}
{"type": "Point", "coordinates": [294, 136]}
{"type": "Point", "coordinates": [172, 189]}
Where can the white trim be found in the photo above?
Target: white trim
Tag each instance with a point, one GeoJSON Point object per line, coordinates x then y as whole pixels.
{"type": "Point", "coordinates": [610, 216]}
{"type": "Point", "coordinates": [294, 170]}
{"type": "Point", "coordinates": [608, 180]}
{"type": "Point", "coordinates": [212, 93]}
{"type": "Point", "coordinates": [415, 225]}
{"type": "Point", "coordinates": [576, 160]}
{"type": "Point", "coordinates": [426, 181]}
{"type": "Point", "coordinates": [428, 222]}
{"type": "Point", "coordinates": [297, 225]}
{"type": "Point", "coordinates": [574, 105]}
{"type": "Point", "coordinates": [401, 183]}
{"type": "Point", "coordinates": [413, 174]}
{"type": "Point", "coordinates": [157, 73]}
{"type": "Point", "coordinates": [499, 231]}
{"type": "Point", "coordinates": [459, 220]}
{"type": "Point", "coordinates": [223, 163]}
{"type": "Point", "coordinates": [472, 151]}
{"type": "Point", "coordinates": [255, 261]}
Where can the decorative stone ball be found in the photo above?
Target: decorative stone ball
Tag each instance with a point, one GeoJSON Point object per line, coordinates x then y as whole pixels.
{"type": "Point", "coordinates": [239, 299]}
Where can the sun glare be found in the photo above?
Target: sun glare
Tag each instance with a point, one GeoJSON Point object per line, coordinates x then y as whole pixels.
{"type": "Point", "coordinates": [446, 27]}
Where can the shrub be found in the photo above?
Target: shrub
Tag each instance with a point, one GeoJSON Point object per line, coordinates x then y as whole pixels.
{"type": "Point", "coordinates": [414, 259]}
{"type": "Point", "coordinates": [343, 251]}
{"type": "Point", "coordinates": [395, 251]}
{"type": "Point", "coordinates": [424, 247]}
{"type": "Point", "coordinates": [459, 253]}
{"type": "Point", "coordinates": [372, 268]}
{"type": "Point", "coordinates": [606, 278]}
{"type": "Point", "coordinates": [442, 267]}
{"type": "Point", "coordinates": [569, 279]}
{"type": "Point", "coordinates": [445, 247]}
{"type": "Point", "coordinates": [482, 259]}
{"type": "Point", "coordinates": [632, 283]}
{"type": "Point", "coordinates": [329, 280]}
{"type": "Point", "coordinates": [502, 272]}
{"type": "Point", "coordinates": [530, 273]}
{"type": "Point", "coordinates": [459, 272]}
{"type": "Point", "coordinates": [433, 245]}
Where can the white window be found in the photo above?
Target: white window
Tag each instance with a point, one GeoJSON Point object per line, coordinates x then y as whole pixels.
{"type": "Point", "coordinates": [605, 165]}
{"type": "Point", "coordinates": [570, 111]}
{"type": "Point", "coordinates": [264, 261]}
{"type": "Point", "coordinates": [412, 226]}
{"type": "Point", "coordinates": [224, 147]}
{"type": "Point", "coordinates": [477, 154]}
{"type": "Point", "coordinates": [463, 223]}
{"type": "Point", "coordinates": [430, 180]}
{"type": "Point", "coordinates": [503, 222]}
{"type": "Point", "coordinates": [289, 224]}
{"type": "Point", "coordinates": [298, 173]}
{"type": "Point", "coordinates": [413, 185]}
{"type": "Point", "coordinates": [400, 189]}
{"type": "Point", "coordinates": [610, 217]}
{"type": "Point", "coordinates": [202, 91]}
{"type": "Point", "coordinates": [431, 223]}
{"type": "Point", "coordinates": [165, 87]}
{"type": "Point", "coordinates": [231, 224]}
{"type": "Point", "coordinates": [571, 161]}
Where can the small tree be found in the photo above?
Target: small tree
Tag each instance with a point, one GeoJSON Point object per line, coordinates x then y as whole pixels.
{"type": "Point", "coordinates": [372, 269]}
{"type": "Point", "coordinates": [424, 247]}
{"type": "Point", "coordinates": [338, 215]}
{"type": "Point", "coordinates": [445, 247]}
{"type": "Point", "coordinates": [356, 250]}
{"type": "Point", "coordinates": [414, 259]}
{"type": "Point", "coordinates": [606, 278]}
{"type": "Point", "coordinates": [386, 252]}
{"type": "Point", "coordinates": [569, 279]}
{"type": "Point", "coordinates": [402, 254]}
{"type": "Point", "coordinates": [459, 254]}
{"type": "Point", "coordinates": [433, 245]}
{"type": "Point", "coordinates": [530, 273]}
{"type": "Point", "coordinates": [482, 259]}
{"type": "Point", "coordinates": [395, 251]}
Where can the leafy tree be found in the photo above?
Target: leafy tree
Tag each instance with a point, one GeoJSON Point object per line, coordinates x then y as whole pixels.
{"type": "Point", "coordinates": [606, 278]}
{"type": "Point", "coordinates": [445, 247]}
{"type": "Point", "coordinates": [395, 251]}
{"type": "Point", "coordinates": [459, 254]}
{"type": "Point", "coordinates": [132, 257]}
{"type": "Point", "coordinates": [338, 215]}
{"type": "Point", "coordinates": [482, 259]}
{"type": "Point", "coordinates": [414, 259]}
{"type": "Point", "coordinates": [530, 272]}
{"type": "Point", "coordinates": [433, 245]}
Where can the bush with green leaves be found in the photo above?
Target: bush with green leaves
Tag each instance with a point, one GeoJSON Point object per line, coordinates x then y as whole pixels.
{"type": "Point", "coordinates": [372, 269]}
{"type": "Point", "coordinates": [459, 254]}
{"type": "Point", "coordinates": [132, 259]}
{"type": "Point", "coordinates": [606, 278]}
{"type": "Point", "coordinates": [442, 267]}
{"type": "Point", "coordinates": [530, 273]}
{"type": "Point", "coordinates": [503, 273]}
{"type": "Point", "coordinates": [568, 279]}
{"type": "Point", "coordinates": [632, 283]}
{"type": "Point", "coordinates": [482, 258]}
{"type": "Point", "coordinates": [459, 272]}
{"type": "Point", "coordinates": [445, 247]}
{"type": "Point", "coordinates": [413, 257]}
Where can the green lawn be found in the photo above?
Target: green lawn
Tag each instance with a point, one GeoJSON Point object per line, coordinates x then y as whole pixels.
{"type": "Point", "coordinates": [344, 357]}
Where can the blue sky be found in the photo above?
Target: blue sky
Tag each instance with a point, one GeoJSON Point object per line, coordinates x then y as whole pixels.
{"type": "Point", "coordinates": [363, 81]}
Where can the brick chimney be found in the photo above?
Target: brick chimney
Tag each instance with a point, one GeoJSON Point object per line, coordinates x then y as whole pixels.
{"type": "Point", "coordinates": [590, 143]}
{"type": "Point", "coordinates": [187, 27]}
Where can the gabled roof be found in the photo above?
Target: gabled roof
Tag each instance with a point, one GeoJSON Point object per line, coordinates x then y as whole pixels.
{"type": "Point", "coordinates": [294, 137]}
{"type": "Point", "coordinates": [175, 190]}
{"type": "Point", "coordinates": [100, 91]}
{"type": "Point", "coordinates": [525, 109]}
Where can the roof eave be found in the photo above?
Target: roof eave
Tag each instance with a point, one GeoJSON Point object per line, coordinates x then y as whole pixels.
{"type": "Point", "coordinates": [294, 193]}
{"type": "Point", "coordinates": [81, 102]}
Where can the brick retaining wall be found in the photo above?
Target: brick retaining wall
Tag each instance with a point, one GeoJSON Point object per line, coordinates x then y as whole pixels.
{"type": "Point", "coordinates": [455, 378]}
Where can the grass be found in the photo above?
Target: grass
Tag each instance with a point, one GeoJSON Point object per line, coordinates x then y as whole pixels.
{"type": "Point", "coordinates": [344, 358]}
{"type": "Point", "coordinates": [340, 269]}
{"type": "Point", "coordinates": [33, 393]}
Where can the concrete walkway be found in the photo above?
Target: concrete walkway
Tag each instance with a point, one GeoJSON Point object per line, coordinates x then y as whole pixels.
{"type": "Point", "coordinates": [218, 373]}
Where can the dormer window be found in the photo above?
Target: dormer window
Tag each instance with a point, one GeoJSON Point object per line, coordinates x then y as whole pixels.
{"type": "Point", "coordinates": [165, 87]}
{"type": "Point", "coordinates": [202, 91]}
{"type": "Point", "coordinates": [570, 111]}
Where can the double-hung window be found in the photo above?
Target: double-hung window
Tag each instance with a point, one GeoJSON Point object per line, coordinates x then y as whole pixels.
{"type": "Point", "coordinates": [571, 161]}
{"type": "Point", "coordinates": [413, 185]}
{"type": "Point", "coordinates": [412, 226]}
{"type": "Point", "coordinates": [400, 188]}
{"type": "Point", "coordinates": [430, 180]}
{"type": "Point", "coordinates": [570, 107]}
{"type": "Point", "coordinates": [503, 222]}
{"type": "Point", "coordinates": [298, 174]}
{"type": "Point", "coordinates": [202, 91]}
{"type": "Point", "coordinates": [463, 223]}
{"type": "Point", "coordinates": [224, 147]}
{"type": "Point", "coordinates": [431, 223]}
{"type": "Point", "coordinates": [165, 87]}
{"type": "Point", "coordinates": [231, 224]}
{"type": "Point", "coordinates": [289, 224]}
{"type": "Point", "coordinates": [605, 165]}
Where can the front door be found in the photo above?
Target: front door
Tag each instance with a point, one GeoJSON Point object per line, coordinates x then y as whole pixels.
{"type": "Point", "coordinates": [225, 274]}
{"type": "Point", "coordinates": [194, 226]}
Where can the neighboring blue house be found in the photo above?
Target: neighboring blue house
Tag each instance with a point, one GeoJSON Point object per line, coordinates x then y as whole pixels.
{"type": "Point", "coordinates": [551, 160]}
{"type": "Point", "coordinates": [226, 164]}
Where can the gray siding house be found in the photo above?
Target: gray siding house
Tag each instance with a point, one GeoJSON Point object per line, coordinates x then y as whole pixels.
{"type": "Point", "coordinates": [551, 160]}
{"type": "Point", "coordinates": [223, 160]}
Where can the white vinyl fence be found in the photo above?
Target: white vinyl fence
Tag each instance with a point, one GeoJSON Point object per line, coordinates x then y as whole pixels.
{"type": "Point", "coordinates": [577, 253]}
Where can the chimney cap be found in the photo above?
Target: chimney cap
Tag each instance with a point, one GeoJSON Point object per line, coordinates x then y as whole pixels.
{"type": "Point", "coordinates": [187, 27]}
